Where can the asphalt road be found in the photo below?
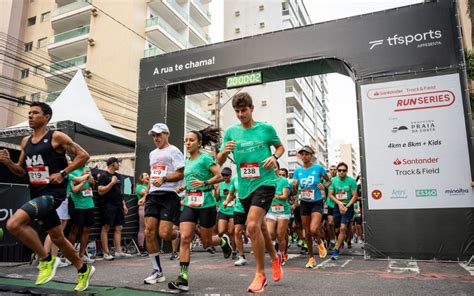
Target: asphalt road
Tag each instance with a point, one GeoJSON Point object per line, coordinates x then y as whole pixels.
{"type": "Point", "coordinates": [214, 275]}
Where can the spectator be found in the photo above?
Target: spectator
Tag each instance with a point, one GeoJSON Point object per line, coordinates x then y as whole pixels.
{"type": "Point", "coordinates": [141, 191]}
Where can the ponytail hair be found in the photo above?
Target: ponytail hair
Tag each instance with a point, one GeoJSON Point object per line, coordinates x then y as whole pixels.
{"type": "Point", "coordinates": [208, 136]}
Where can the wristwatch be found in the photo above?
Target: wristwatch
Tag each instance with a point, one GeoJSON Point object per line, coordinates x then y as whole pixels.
{"type": "Point", "coordinates": [165, 179]}
{"type": "Point", "coordinates": [64, 174]}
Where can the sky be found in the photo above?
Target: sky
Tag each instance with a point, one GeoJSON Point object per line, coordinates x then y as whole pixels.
{"type": "Point", "coordinates": [341, 89]}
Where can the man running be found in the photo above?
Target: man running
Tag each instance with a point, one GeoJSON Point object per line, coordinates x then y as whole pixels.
{"type": "Point", "coordinates": [343, 192]}
{"type": "Point", "coordinates": [162, 203]}
{"type": "Point", "coordinates": [251, 142]}
{"type": "Point", "coordinates": [43, 158]}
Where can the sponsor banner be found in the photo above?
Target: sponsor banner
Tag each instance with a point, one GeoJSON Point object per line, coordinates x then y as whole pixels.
{"type": "Point", "coordinates": [13, 197]}
{"type": "Point", "coordinates": [416, 144]}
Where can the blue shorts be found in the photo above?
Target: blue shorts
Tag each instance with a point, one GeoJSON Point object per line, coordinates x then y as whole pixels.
{"type": "Point", "coordinates": [342, 219]}
{"type": "Point", "coordinates": [43, 208]}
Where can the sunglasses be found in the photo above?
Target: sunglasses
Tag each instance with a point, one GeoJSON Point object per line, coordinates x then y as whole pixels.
{"type": "Point", "coordinates": [225, 175]}
{"type": "Point", "coordinates": [341, 171]}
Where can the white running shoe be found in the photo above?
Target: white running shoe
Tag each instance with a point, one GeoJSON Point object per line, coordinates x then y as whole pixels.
{"type": "Point", "coordinates": [87, 260]}
{"type": "Point", "coordinates": [122, 255]}
{"type": "Point", "coordinates": [63, 262]}
{"type": "Point", "coordinates": [241, 261]}
{"type": "Point", "coordinates": [107, 256]}
{"type": "Point", "coordinates": [155, 277]}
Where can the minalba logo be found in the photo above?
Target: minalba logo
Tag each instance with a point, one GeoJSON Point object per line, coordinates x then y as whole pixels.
{"type": "Point", "coordinates": [425, 39]}
{"type": "Point", "coordinates": [376, 194]}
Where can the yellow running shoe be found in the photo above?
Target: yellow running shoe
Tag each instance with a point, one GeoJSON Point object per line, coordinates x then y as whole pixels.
{"type": "Point", "coordinates": [83, 278]}
{"type": "Point", "coordinates": [47, 270]}
{"type": "Point", "coordinates": [322, 250]}
{"type": "Point", "coordinates": [311, 263]}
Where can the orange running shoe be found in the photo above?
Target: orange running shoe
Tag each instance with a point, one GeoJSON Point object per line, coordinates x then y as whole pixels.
{"type": "Point", "coordinates": [322, 250]}
{"type": "Point", "coordinates": [258, 284]}
{"type": "Point", "coordinates": [277, 269]}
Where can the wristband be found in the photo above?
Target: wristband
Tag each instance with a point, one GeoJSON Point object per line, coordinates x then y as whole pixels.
{"type": "Point", "coordinates": [206, 183]}
{"type": "Point", "coordinates": [276, 157]}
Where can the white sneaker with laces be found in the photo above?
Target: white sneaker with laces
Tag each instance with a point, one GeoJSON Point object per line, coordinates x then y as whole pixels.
{"type": "Point", "coordinates": [87, 260]}
{"type": "Point", "coordinates": [122, 255]}
{"type": "Point", "coordinates": [155, 277]}
{"type": "Point", "coordinates": [107, 256]}
{"type": "Point", "coordinates": [63, 262]}
{"type": "Point", "coordinates": [241, 261]}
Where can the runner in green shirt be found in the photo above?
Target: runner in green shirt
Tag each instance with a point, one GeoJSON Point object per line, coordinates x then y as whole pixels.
{"type": "Point", "coordinates": [279, 214]}
{"type": "Point", "coordinates": [200, 174]}
{"type": "Point", "coordinates": [225, 215]}
{"type": "Point", "coordinates": [343, 192]}
{"type": "Point", "coordinates": [250, 143]}
{"type": "Point", "coordinates": [141, 191]}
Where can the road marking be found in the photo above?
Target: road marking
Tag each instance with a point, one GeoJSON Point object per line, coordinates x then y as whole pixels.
{"type": "Point", "coordinates": [403, 266]}
{"type": "Point", "coordinates": [469, 268]}
{"type": "Point", "coordinates": [333, 263]}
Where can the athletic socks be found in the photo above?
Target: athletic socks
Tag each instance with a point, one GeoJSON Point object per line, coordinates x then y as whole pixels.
{"type": "Point", "coordinates": [155, 261]}
{"type": "Point", "coordinates": [183, 272]}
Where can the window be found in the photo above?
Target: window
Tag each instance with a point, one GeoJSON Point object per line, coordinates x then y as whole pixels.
{"type": "Point", "coordinates": [28, 46]}
{"type": "Point", "coordinates": [262, 25]}
{"type": "Point", "coordinates": [21, 101]}
{"type": "Point", "coordinates": [45, 16]}
{"type": "Point", "coordinates": [35, 97]}
{"type": "Point", "coordinates": [237, 30]}
{"type": "Point", "coordinates": [237, 13]}
{"type": "Point", "coordinates": [261, 7]}
{"type": "Point", "coordinates": [37, 69]}
{"type": "Point", "coordinates": [25, 73]}
{"type": "Point", "coordinates": [42, 42]}
{"type": "Point", "coordinates": [31, 21]}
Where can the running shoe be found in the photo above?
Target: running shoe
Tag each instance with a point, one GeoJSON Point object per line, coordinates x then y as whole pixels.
{"type": "Point", "coordinates": [174, 256]}
{"type": "Point", "coordinates": [211, 250]}
{"type": "Point", "coordinates": [258, 284]}
{"type": "Point", "coordinates": [332, 244]}
{"type": "Point", "coordinates": [154, 278]}
{"type": "Point", "coordinates": [311, 263]}
{"type": "Point", "coordinates": [277, 269]}
{"type": "Point", "coordinates": [285, 258]}
{"type": "Point", "coordinates": [83, 278]}
{"type": "Point", "coordinates": [335, 255]}
{"type": "Point", "coordinates": [241, 261]}
{"type": "Point", "coordinates": [63, 262]}
{"type": "Point", "coordinates": [234, 255]}
{"type": "Point", "coordinates": [47, 270]}
{"type": "Point", "coordinates": [300, 243]}
{"type": "Point", "coordinates": [107, 256]}
{"type": "Point", "coordinates": [179, 284]}
{"type": "Point", "coordinates": [322, 250]}
{"type": "Point", "coordinates": [226, 248]}
{"type": "Point", "coordinates": [121, 255]}
{"type": "Point", "coordinates": [87, 260]}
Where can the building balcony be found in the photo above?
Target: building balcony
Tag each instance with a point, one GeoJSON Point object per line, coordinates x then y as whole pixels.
{"type": "Point", "coordinates": [70, 43]}
{"type": "Point", "coordinates": [200, 13]}
{"type": "Point", "coordinates": [171, 11]}
{"type": "Point", "coordinates": [65, 67]}
{"type": "Point", "coordinates": [293, 98]}
{"type": "Point", "coordinates": [164, 35]}
{"type": "Point", "coordinates": [197, 34]}
{"type": "Point", "coordinates": [292, 112]}
{"type": "Point", "coordinates": [154, 51]}
{"type": "Point", "coordinates": [52, 96]}
{"type": "Point", "coordinates": [72, 15]}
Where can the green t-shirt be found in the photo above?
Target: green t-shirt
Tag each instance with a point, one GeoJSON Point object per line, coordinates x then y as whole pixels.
{"type": "Point", "coordinates": [343, 189]}
{"type": "Point", "coordinates": [329, 201]}
{"type": "Point", "coordinates": [199, 168]}
{"type": "Point", "coordinates": [82, 199]}
{"type": "Point", "coordinates": [252, 148]}
{"type": "Point", "coordinates": [223, 186]}
{"type": "Point", "coordinates": [139, 188]}
{"type": "Point", "coordinates": [280, 206]}
{"type": "Point", "coordinates": [357, 209]}
{"type": "Point", "coordinates": [238, 207]}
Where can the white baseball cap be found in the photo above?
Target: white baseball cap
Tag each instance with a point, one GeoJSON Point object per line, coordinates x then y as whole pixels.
{"type": "Point", "coordinates": [159, 128]}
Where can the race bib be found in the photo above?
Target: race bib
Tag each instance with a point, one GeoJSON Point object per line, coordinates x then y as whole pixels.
{"type": "Point", "coordinates": [39, 175]}
{"type": "Point", "coordinates": [341, 195]}
{"type": "Point", "coordinates": [278, 208]}
{"type": "Point", "coordinates": [249, 170]}
{"type": "Point", "coordinates": [325, 209]}
{"type": "Point", "coordinates": [87, 192]}
{"type": "Point", "coordinates": [195, 199]}
{"type": "Point", "coordinates": [158, 171]}
{"type": "Point", "coordinates": [307, 194]}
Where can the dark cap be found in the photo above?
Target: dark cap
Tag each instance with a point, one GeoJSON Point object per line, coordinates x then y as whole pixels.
{"type": "Point", "coordinates": [226, 171]}
{"type": "Point", "coordinates": [111, 160]}
{"type": "Point", "coordinates": [306, 148]}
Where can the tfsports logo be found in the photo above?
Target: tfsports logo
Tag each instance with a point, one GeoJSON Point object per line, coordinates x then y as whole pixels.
{"type": "Point", "coordinates": [407, 39]}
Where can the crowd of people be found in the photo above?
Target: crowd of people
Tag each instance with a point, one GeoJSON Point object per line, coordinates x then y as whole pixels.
{"type": "Point", "coordinates": [183, 197]}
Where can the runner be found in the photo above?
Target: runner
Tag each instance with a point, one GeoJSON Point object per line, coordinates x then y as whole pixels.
{"type": "Point", "coordinates": [330, 210]}
{"type": "Point", "coordinates": [114, 209]}
{"type": "Point", "coordinates": [43, 158]}
{"type": "Point", "coordinates": [239, 220]}
{"type": "Point", "coordinates": [343, 192]}
{"type": "Point", "coordinates": [278, 216]}
{"type": "Point", "coordinates": [225, 215]}
{"type": "Point", "coordinates": [250, 143]}
{"type": "Point", "coordinates": [82, 217]}
{"type": "Point", "coordinates": [307, 180]}
{"type": "Point", "coordinates": [141, 191]}
{"type": "Point", "coordinates": [200, 174]}
{"type": "Point", "coordinates": [162, 202]}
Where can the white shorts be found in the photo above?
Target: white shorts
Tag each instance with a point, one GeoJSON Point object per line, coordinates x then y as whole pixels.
{"type": "Point", "coordinates": [63, 211]}
{"type": "Point", "coordinates": [274, 217]}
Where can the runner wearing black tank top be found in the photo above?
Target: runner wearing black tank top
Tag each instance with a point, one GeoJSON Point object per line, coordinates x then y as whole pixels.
{"type": "Point", "coordinates": [43, 158]}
